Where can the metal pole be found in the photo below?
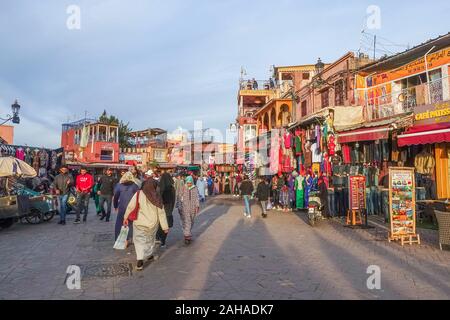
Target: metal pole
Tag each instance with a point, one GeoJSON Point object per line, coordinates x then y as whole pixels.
{"type": "Point", "coordinates": [374, 45]}
{"type": "Point", "coordinates": [428, 75]}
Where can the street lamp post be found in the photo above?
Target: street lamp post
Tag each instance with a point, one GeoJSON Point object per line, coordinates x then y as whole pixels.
{"type": "Point", "coordinates": [15, 108]}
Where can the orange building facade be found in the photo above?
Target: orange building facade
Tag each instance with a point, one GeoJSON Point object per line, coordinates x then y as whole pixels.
{"type": "Point", "coordinates": [89, 142]}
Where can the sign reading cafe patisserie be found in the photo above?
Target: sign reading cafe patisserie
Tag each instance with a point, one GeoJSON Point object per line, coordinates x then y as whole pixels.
{"type": "Point", "coordinates": [432, 113]}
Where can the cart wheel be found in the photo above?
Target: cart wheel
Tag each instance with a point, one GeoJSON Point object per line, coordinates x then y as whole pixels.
{"type": "Point", "coordinates": [34, 217]}
{"type": "Point", "coordinates": [48, 215]}
{"type": "Point", "coordinates": [6, 223]}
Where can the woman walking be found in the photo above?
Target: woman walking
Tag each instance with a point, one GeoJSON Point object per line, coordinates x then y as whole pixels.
{"type": "Point", "coordinates": [227, 189]}
{"type": "Point", "coordinates": [150, 217]}
{"type": "Point", "coordinates": [123, 192]}
{"type": "Point", "coordinates": [216, 186]}
{"type": "Point", "coordinates": [168, 195]}
{"type": "Point", "coordinates": [188, 206]}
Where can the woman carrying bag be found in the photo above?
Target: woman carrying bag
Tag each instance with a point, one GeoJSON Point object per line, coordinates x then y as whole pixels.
{"type": "Point", "coordinates": [146, 211]}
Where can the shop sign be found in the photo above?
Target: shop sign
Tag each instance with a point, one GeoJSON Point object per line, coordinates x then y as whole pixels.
{"type": "Point", "coordinates": [357, 192]}
{"type": "Point", "coordinates": [417, 66]}
{"type": "Point", "coordinates": [432, 113]}
{"type": "Point", "coordinates": [402, 203]}
{"type": "Point", "coordinates": [108, 146]}
{"type": "Point", "coordinates": [133, 157]}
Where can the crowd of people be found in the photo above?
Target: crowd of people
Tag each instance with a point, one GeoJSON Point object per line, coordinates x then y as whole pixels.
{"type": "Point", "coordinates": [145, 202]}
{"type": "Point", "coordinates": [150, 198]}
{"type": "Point", "coordinates": [284, 192]}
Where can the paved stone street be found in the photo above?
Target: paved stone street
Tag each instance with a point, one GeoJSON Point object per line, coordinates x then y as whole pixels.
{"type": "Point", "coordinates": [281, 257]}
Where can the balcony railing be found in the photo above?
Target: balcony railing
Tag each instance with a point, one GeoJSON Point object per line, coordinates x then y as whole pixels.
{"type": "Point", "coordinates": [265, 84]}
{"type": "Point", "coordinates": [403, 101]}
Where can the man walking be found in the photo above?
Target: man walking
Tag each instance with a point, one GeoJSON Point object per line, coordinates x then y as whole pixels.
{"type": "Point", "coordinates": [246, 191]}
{"type": "Point", "coordinates": [63, 182]}
{"type": "Point", "coordinates": [84, 184]}
{"type": "Point", "coordinates": [262, 193]}
{"type": "Point", "coordinates": [106, 192]}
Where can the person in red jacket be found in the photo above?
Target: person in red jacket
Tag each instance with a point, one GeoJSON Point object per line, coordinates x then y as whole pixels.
{"type": "Point", "coordinates": [84, 184]}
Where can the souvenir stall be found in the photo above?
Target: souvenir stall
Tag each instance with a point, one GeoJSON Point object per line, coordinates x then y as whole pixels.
{"type": "Point", "coordinates": [313, 147]}
{"type": "Point", "coordinates": [42, 160]}
{"type": "Point", "coordinates": [426, 145]}
{"type": "Point", "coordinates": [370, 150]}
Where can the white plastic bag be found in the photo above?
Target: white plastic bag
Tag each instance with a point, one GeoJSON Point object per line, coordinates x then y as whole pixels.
{"type": "Point", "coordinates": [269, 205]}
{"type": "Point", "coordinates": [121, 242]}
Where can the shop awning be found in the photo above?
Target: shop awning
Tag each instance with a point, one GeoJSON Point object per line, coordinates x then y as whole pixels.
{"type": "Point", "coordinates": [429, 134]}
{"type": "Point", "coordinates": [366, 134]}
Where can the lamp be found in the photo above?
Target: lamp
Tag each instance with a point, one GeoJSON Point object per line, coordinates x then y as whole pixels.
{"type": "Point", "coordinates": [15, 108]}
{"type": "Point", "coordinates": [318, 81]}
{"type": "Point", "coordinates": [319, 66]}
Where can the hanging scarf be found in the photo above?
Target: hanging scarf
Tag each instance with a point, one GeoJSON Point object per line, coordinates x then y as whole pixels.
{"type": "Point", "coordinates": [149, 189]}
{"type": "Point", "coordinates": [189, 179]}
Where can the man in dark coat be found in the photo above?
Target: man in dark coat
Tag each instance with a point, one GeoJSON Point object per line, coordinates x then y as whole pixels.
{"type": "Point", "coordinates": [246, 192]}
{"type": "Point", "coordinates": [168, 194]}
{"type": "Point", "coordinates": [262, 193]}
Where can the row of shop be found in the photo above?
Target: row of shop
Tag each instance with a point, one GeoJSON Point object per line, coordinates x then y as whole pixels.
{"type": "Point", "coordinates": [328, 144]}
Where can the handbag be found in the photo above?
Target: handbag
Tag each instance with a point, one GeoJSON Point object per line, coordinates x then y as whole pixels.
{"type": "Point", "coordinates": [134, 214]}
{"type": "Point", "coordinates": [121, 242]}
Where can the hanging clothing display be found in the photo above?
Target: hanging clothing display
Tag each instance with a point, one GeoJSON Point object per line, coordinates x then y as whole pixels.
{"type": "Point", "coordinates": [424, 163]}
{"type": "Point", "coordinates": [298, 145]}
{"type": "Point", "coordinates": [287, 140]}
{"type": "Point", "coordinates": [316, 154]}
{"type": "Point", "coordinates": [20, 154]}
{"type": "Point", "coordinates": [300, 192]}
{"type": "Point", "coordinates": [84, 137]}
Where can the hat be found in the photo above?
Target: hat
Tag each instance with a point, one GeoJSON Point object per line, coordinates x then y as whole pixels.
{"type": "Point", "coordinates": [149, 173]}
{"type": "Point", "coordinates": [189, 179]}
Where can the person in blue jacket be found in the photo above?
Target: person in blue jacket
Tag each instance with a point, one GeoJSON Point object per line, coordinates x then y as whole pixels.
{"type": "Point", "coordinates": [123, 192]}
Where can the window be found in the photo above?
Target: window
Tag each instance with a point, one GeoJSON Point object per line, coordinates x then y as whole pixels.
{"type": "Point", "coordinates": [304, 108]}
{"type": "Point", "coordinates": [249, 132]}
{"type": "Point", "coordinates": [159, 155]}
{"type": "Point", "coordinates": [339, 95]}
{"type": "Point", "coordinates": [106, 155]}
{"type": "Point", "coordinates": [325, 99]}
{"type": "Point", "coordinates": [102, 133]}
{"type": "Point", "coordinates": [305, 76]}
{"type": "Point", "coordinates": [113, 134]}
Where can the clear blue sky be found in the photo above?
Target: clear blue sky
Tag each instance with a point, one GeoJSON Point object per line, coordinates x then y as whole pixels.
{"type": "Point", "coordinates": [168, 63]}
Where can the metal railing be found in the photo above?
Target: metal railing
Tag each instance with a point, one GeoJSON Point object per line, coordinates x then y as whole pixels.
{"type": "Point", "coordinates": [403, 101]}
{"type": "Point", "coordinates": [250, 84]}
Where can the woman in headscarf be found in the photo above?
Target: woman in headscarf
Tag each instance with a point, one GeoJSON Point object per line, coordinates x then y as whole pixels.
{"type": "Point", "coordinates": [137, 175]}
{"type": "Point", "coordinates": [201, 186]}
{"type": "Point", "coordinates": [188, 206]}
{"type": "Point", "coordinates": [308, 186]}
{"type": "Point", "coordinates": [168, 195]}
{"type": "Point", "coordinates": [150, 216]}
{"type": "Point", "coordinates": [221, 183]}
{"type": "Point", "coordinates": [227, 189]}
{"type": "Point", "coordinates": [216, 186]}
{"type": "Point", "coordinates": [123, 192]}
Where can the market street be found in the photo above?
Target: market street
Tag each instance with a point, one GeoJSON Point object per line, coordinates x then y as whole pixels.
{"type": "Point", "coordinates": [281, 257]}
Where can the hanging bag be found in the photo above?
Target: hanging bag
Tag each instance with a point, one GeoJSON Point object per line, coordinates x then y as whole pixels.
{"type": "Point", "coordinates": [134, 214]}
{"type": "Point", "coordinates": [121, 242]}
